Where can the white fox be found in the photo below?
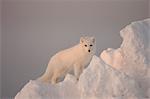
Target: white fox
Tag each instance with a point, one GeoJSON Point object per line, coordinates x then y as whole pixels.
{"type": "Point", "coordinates": [72, 60]}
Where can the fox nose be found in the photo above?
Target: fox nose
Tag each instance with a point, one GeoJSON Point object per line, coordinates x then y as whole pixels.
{"type": "Point", "coordinates": [88, 50]}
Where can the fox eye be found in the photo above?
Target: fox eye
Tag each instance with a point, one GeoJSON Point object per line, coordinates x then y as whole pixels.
{"type": "Point", "coordinates": [91, 45]}
{"type": "Point", "coordinates": [85, 45]}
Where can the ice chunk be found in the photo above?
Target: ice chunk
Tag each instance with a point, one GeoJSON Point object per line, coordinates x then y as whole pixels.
{"type": "Point", "coordinates": [133, 56]}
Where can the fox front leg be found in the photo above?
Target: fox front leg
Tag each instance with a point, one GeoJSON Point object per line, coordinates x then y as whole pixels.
{"type": "Point", "coordinates": [77, 71]}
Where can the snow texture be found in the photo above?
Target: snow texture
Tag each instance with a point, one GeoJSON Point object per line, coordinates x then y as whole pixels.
{"type": "Point", "coordinates": [122, 73]}
{"type": "Point", "coordinates": [133, 56]}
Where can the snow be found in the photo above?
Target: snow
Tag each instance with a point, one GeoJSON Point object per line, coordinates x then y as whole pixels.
{"type": "Point", "coordinates": [122, 73]}
{"type": "Point", "coordinates": [37, 90]}
{"type": "Point", "coordinates": [102, 81]}
{"type": "Point", "coordinates": [133, 56]}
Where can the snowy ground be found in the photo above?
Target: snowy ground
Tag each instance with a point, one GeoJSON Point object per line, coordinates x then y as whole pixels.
{"type": "Point", "coordinates": [122, 73]}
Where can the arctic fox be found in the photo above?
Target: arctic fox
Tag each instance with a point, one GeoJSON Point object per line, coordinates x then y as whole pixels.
{"type": "Point", "coordinates": [72, 60]}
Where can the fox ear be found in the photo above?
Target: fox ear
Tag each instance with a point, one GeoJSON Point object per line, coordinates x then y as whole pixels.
{"type": "Point", "coordinates": [81, 39]}
{"type": "Point", "coordinates": [93, 39]}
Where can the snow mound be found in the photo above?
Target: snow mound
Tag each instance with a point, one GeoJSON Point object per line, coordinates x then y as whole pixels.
{"type": "Point", "coordinates": [97, 81]}
{"type": "Point", "coordinates": [133, 56]}
{"type": "Point", "coordinates": [38, 90]}
{"type": "Point", "coordinates": [135, 48]}
{"type": "Point", "coordinates": [122, 73]}
{"type": "Point", "coordinates": [100, 81]}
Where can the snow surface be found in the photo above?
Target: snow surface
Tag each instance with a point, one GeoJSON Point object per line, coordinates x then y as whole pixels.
{"type": "Point", "coordinates": [133, 56]}
{"type": "Point", "coordinates": [122, 73]}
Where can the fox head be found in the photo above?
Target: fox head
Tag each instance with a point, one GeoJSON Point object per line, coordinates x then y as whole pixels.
{"type": "Point", "coordinates": [88, 44]}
